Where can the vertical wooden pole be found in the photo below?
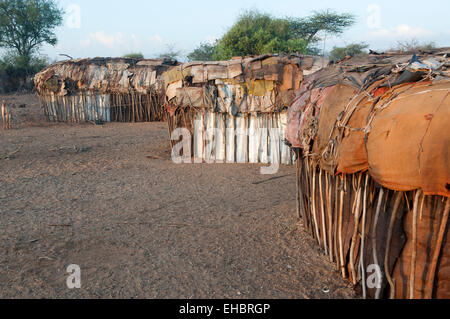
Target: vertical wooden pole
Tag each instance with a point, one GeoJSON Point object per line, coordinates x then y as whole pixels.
{"type": "Point", "coordinates": [412, 281]}
{"type": "Point", "coordinates": [6, 116]}
{"type": "Point", "coordinates": [322, 211]}
{"type": "Point", "coordinates": [297, 153]}
{"type": "Point", "coordinates": [429, 286]}
{"type": "Point", "coordinates": [3, 114]}
{"type": "Point", "coordinates": [341, 242]}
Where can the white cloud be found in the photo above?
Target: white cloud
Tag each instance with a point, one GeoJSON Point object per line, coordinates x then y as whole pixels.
{"type": "Point", "coordinates": [400, 32]}
{"type": "Point", "coordinates": [116, 43]}
{"type": "Point", "coordinates": [111, 41]}
{"type": "Point", "coordinates": [157, 39]}
{"type": "Point", "coordinates": [136, 41]}
{"type": "Point", "coordinates": [85, 43]}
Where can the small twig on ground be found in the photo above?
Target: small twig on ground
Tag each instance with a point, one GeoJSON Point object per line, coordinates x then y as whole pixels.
{"type": "Point", "coordinates": [168, 225]}
{"type": "Point", "coordinates": [47, 258]}
{"type": "Point", "coordinates": [271, 179]}
{"type": "Point", "coordinates": [62, 225]}
{"type": "Point", "coordinates": [11, 154]}
{"type": "Point", "coordinates": [155, 157]}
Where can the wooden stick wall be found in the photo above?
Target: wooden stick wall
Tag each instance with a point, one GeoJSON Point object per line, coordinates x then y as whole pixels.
{"type": "Point", "coordinates": [361, 226]}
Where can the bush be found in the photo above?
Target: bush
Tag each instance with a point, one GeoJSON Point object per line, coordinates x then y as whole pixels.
{"type": "Point", "coordinates": [413, 45]}
{"type": "Point", "coordinates": [352, 50]}
{"type": "Point", "coordinates": [171, 53]}
{"type": "Point", "coordinates": [258, 33]}
{"type": "Point", "coordinates": [136, 55]}
{"type": "Point", "coordinates": [205, 52]}
{"type": "Point", "coordinates": [17, 74]}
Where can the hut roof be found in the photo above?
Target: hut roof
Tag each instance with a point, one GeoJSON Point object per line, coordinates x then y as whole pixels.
{"type": "Point", "coordinates": [103, 75]}
{"type": "Point", "coordinates": [388, 114]}
{"type": "Point", "coordinates": [264, 83]}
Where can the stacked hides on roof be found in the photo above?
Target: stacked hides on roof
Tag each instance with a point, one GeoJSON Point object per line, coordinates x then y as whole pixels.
{"type": "Point", "coordinates": [372, 134]}
{"type": "Point", "coordinates": [236, 110]}
{"type": "Point", "coordinates": [103, 89]}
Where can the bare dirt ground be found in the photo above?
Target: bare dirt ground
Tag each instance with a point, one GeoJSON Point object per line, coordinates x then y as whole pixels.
{"type": "Point", "coordinates": [109, 199]}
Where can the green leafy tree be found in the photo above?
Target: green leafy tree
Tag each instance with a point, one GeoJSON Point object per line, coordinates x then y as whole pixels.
{"type": "Point", "coordinates": [354, 49]}
{"type": "Point", "coordinates": [25, 25]}
{"type": "Point", "coordinates": [257, 33]}
{"type": "Point", "coordinates": [205, 52]}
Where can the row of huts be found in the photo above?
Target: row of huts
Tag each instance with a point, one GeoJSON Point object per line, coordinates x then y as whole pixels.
{"type": "Point", "coordinates": [244, 101]}
{"type": "Point", "coordinates": [368, 134]}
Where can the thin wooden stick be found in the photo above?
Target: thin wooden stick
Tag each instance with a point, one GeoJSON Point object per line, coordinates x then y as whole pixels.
{"type": "Point", "coordinates": [322, 209]}
{"type": "Point", "coordinates": [330, 216]}
{"type": "Point", "coordinates": [6, 116]}
{"type": "Point", "coordinates": [437, 251]}
{"type": "Point", "coordinates": [336, 218]}
{"type": "Point", "coordinates": [374, 236]}
{"type": "Point", "coordinates": [363, 237]}
{"type": "Point", "coordinates": [341, 244]}
{"type": "Point", "coordinates": [297, 153]}
{"type": "Point", "coordinates": [3, 114]}
{"type": "Point", "coordinates": [2, 157]}
{"type": "Point", "coordinates": [398, 200]}
{"type": "Point", "coordinates": [357, 215]}
{"type": "Point", "coordinates": [306, 183]}
{"type": "Point", "coordinates": [300, 176]}
{"type": "Point", "coordinates": [313, 205]}
{"type": "Point", "coordinates": [412, 269]}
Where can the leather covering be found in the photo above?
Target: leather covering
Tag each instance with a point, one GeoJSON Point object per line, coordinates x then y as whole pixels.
{"type": "Point", "coordinates": [372, 141]}
{"type": "Point", "coordinates": [262, 84]}
{"type": "Point", "coordinates": [385, 114]}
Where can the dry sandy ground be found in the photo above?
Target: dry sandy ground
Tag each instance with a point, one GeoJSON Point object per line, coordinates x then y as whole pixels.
{"type": "Point", "coordinates": [109, 199]}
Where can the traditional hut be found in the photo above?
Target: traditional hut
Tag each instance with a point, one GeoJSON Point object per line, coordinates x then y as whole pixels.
{"type": "Point", "coordinates": [372, 139]}
{"type": "Point", "coordinates": [236, 110]}
{"type": "Point", "coordinates": [103, 89]}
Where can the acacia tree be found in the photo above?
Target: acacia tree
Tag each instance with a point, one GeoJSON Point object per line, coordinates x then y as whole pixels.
{"type": "Point", "coordinates": [326, 21]}
{"type": "Point", "coordinates": [171, 52]}
{"type": "Point", "coordinates": [25, 25]}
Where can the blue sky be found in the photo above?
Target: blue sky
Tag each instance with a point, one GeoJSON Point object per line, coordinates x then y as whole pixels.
{"type": "Point", "coordinates": [113, 28]}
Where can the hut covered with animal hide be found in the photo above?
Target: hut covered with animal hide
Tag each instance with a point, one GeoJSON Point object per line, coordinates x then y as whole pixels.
{"type": "Point", "coordinates": [235, 110]}
{"type": "Point", "coordinates": [103, 89]}
{"type": "Point", "coordinates": [372, 138]}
